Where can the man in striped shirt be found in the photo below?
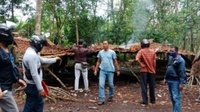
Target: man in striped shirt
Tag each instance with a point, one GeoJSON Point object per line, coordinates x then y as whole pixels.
{"type": "Point", "coordinates": [146, 58]}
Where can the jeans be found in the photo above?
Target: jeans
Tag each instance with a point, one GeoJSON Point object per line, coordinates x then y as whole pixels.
{"type": "Point", "coordinates": [147, 78]}
{"type": "Point", "coordinates": [34, 102]}
{"type": "Point", "coordinates": [78, 70]}
{"type": "Point", "coordinates": [175, 95]}
{"type": "Point", "coordinates": [102, 79]}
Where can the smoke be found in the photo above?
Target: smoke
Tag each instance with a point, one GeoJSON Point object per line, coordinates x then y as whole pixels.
{"type": "Point", "coordinates": [141, 16]}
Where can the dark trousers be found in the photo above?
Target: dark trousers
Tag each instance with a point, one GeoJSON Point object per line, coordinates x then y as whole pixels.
{"type": "Point", "coordinates": [34, 102]}
{"type": "Point", "coordinates": [147, 78]}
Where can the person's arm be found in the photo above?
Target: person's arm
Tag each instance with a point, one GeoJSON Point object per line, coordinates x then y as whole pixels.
{"type": "Point", "coordinates": [116, 66]}
{"type": "Point", "coordinates": [97, 66]}
{"type": "Point", "coordinates": [49, 60]}
{"type": "Point", "coordinates": [181, 74]}
{"type": "Point", "coordinates": [168, 63]}
{"type": "Point", "coordinates": [138, 57]}
{"type": "Point", "coordinates": [33, 66]}
{"type": "Point", "coordinates": [154, 62]}
{"type": "Point", "coordinates": [22, 84]}
{"type": "Point", "coordinates": [91, 50]}
{"type": "Point", "coordinates": [1, 94]}
{"type": "Point", "coordinates": [74, 47]}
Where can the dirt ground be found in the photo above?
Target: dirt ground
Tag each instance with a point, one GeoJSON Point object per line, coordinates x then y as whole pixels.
{"type": "Point", "coordinates": [127, 96]}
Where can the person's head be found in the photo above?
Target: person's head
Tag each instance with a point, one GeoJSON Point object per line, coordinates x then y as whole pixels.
{"type": "Point", "coordinates": [173, 51]}
{"type": "Point", "coordinates": [6, 37]}
{"type": "Point", "coordinates": [105, 45]}
{"type": "Point", "coordinates": [145, 43]}
{"type": "Point", "coordinates": [38, 41]}
{"type": "Point", "coordinates": [85, 45]}
{"type": "Point", "coordinates": [80, 42]}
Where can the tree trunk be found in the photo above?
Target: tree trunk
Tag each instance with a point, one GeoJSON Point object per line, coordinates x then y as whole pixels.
{"type": "Point", "coordinates": [184, 40]}
{"type": "Point", "coordinates": [77, 34]}
{"type": "Point", "coordinates": [192, 41]}
{"type": "Point", "coordinates": [12, 8]}
{"type": "Point", "coordinates": [76, 22]}
{"type": "Point", "coordinates": [38, 16]}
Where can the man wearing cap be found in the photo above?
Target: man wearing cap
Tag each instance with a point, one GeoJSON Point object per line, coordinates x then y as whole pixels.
{"type": "Point", "coordinates": [8, 72]}
{"type": "Point", "coordinates": [146, 58]}
{"type": "Point", "coordinates": [32, 71]}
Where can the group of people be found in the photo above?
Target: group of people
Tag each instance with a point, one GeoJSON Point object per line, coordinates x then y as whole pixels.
{"type": "Point", "coordinates": [106, 66]}
{"type": "Point", "coordinates": [175, 75]}
{"type": "Point", "coordinates": [32, 72]}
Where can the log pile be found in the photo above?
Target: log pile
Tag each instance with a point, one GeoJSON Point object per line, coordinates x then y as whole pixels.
{"type": "Point", "coordinates": [57, 93]}
{"type": "Point", "coordinates": [194, 76]}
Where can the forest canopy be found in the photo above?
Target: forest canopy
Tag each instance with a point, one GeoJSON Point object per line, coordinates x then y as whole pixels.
{"type": "Point", "coordinates": [175, 22]}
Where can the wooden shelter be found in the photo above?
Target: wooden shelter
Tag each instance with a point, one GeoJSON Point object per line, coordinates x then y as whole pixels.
{"type": "Point", "coordinates": [126, 55]}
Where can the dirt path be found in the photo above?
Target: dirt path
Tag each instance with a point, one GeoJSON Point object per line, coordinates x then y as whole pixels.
{"type": "Point", "coordinates": [127, 96]}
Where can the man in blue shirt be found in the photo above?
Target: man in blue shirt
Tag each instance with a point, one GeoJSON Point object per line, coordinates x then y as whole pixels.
{"type": "Point", "coordinates": [175, 77]}
{"type": "Point", "coordinates": [107, 62]}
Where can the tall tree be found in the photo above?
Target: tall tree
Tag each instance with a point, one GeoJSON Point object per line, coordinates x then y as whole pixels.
{"type": "Point", "coordinates": [38, 16]}
{"type": "Point", "coordinates": [7, 9]}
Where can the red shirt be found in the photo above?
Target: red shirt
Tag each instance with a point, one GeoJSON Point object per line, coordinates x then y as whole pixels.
{"type": "Point", "coordinates": [147, 56]}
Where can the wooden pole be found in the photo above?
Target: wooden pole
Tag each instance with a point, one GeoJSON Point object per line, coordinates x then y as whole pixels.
{"type": "Point", "coordinates": [56, 77]}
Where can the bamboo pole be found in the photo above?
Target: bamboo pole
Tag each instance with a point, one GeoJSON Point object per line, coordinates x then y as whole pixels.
{"type": "Point", "coordinates": [131, 71]}
{"type": "Point", "coordinates": [56, 77]}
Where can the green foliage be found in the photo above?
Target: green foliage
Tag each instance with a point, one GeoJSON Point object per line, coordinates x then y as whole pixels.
{"type": "Point", "coordinates": [174, 21]}
{"type": "Point", "coordinates": [26, 29]}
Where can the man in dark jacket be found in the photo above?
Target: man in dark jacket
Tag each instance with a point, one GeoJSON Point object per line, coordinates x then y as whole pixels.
{"type": "Point", "coordinates": [81, 54]}
{"type": "Point", "coordinates": [8, 75]}
{"type": "Point", "coordinates": [175, 77]}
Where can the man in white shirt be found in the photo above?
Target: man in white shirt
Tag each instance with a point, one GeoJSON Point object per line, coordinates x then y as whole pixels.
{"type": "Point", "coordinates": [33, 74]}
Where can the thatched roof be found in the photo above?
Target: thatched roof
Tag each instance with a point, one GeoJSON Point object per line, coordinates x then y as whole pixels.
{"type": "Point", "coordinates": [23, 44]}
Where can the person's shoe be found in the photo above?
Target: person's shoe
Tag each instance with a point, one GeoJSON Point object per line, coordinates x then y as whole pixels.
{"type": "Point", "coordinates": [87, 91]}
{"type": "Point", "coordinates": [75, 94]}
{"type": "Point", "coordinates": [143, 103]}
{"type": "Point", "coordinates": [100, 103]}
{"type": "Point", "coordinates": [197, 100]}
{"type": "Point", "coordinates": [110, 99]}
{"type": "Point", "coordinates": [153, 102]}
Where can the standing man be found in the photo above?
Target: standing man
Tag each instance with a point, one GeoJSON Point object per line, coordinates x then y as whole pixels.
{"type": "Point", "coordinates": [146, 58]}
{"type": "Point", "coordinates": [7, 76]}
{"type": "Point", "coordinates": [107, 62]}
{"type": "Point", "coordinates": [175, 77]}
{"type": "Point", "coordinates": [33, 74]}
{"type": "Point", "coordinates": [81, 53]}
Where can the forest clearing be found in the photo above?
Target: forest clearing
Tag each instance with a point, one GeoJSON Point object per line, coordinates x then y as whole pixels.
{"type": "Point", "coordinates": [123, 24]}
